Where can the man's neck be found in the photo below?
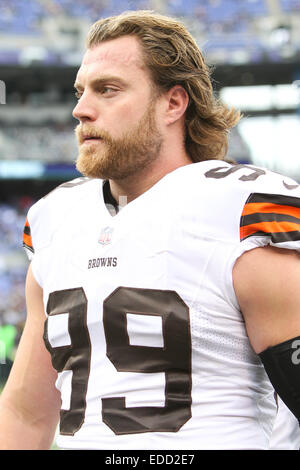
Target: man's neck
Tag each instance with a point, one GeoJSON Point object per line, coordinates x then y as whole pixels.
{"type": "Point", "coordinates": [128, 189]}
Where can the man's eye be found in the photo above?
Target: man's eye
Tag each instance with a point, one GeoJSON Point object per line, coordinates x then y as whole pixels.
{"type": "Point", "coordinates": [104, 91]}
{"type": "Point", "coordinates": [107, 90]}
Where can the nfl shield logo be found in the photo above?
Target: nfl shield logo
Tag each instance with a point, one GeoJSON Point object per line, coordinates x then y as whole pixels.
{"type": "Point", "coordinates": [105, 236]}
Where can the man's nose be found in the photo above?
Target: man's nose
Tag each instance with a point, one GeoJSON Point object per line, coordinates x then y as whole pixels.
{"type": "Point", "coordinates": [85, 109]}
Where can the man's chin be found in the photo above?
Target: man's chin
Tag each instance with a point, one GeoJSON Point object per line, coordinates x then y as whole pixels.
{"type": "Point", "coordinates": [85, 164]}
{"type": "Point", "coordinates": [102, 171]}
{"type": "Point", "coordinates": [95, 171]}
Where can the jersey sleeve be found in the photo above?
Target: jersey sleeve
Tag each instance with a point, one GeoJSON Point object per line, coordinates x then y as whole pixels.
{"type": "Point", "coordinates": [48, 214]}
{"type": "Point", "coordinates": [274, 217]}
{"type": "Point", "coordinates": [263, 207]}
{"type": "Point", "coordinates": [253, 206]}
{"type": "Point", "coordinates": [36, 234]}
{"type": "Point", "coordinates": [257, 207]}
{"type": "Point", "coordinates": [27, 240]}
{"type": "Point", "coordinates": [39, 226]}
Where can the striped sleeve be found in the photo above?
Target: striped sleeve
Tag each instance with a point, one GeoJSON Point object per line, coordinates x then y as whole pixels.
{"type": "Point", "coordinates": [273, 215]}
{"type": "Point", "coordinates": [27, 240]}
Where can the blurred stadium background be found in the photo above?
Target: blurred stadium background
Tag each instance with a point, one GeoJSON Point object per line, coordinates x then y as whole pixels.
{"type": "Point", "coordinates": [253, 46]}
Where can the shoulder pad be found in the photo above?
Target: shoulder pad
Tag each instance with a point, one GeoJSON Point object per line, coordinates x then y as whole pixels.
{"type": "Point", "coordinates": [269, 202]}
{"type": "Point", "coordinates": [46, 215]}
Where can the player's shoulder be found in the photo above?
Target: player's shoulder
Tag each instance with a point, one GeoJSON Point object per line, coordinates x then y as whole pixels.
{"type": "Point", "coordinates": [60, 198]}
{"type": "Point", "coordinates": [238, 180]}
{"type": "Point", "coordinates": [50, 211]}
{"type": "Point", "coordinates": [240, 175]}
{"type": "Point", "coordinates": [243, 201]}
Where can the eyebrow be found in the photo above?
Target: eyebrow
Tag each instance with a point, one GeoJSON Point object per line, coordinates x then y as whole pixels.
{"type": "Point", "coordinates": [101, 81]}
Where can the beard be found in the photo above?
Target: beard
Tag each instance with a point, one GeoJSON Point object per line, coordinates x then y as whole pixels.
{"type": "Point", "coordinates": [122, 157]}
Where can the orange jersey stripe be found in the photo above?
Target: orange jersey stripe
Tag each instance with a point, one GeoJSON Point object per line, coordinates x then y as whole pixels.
{"type": "Point", "coordinates": [268, 227]}
{"type": "Point", "coordinates": [261, 207]}
{"type": "Point", "coordinates": [27, 240]}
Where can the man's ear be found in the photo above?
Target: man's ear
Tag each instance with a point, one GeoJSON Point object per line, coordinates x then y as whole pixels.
{"type": "Point", "coordinates": [177, 103]}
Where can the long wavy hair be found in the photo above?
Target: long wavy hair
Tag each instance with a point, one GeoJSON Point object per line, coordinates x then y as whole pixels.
{"type": "Point", "coordinates": [172, 57]}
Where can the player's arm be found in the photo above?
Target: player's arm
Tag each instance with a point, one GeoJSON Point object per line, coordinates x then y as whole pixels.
{"type": "Point", "coordinates": [30, 403]}
{"type": "Point", "coordinates": [267, 285]}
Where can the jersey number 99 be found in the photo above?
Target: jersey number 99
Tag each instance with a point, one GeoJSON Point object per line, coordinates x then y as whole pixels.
{"type": "Point", "coordinates": [173, 358]}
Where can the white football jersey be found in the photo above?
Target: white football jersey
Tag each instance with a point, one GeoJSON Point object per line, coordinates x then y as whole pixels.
{"type": "Point", "coordinates": [286, 433]}
{"type": "Point", "coordinates": [142, 321]}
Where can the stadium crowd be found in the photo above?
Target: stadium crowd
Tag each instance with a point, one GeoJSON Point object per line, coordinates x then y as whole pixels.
{"type": "Point", "coordinates": [19, 17]}
{"type": "Point", "coordinates": [226, 27]}
{"type": "Point", "coordinates": [13, 267]}
{"type": "Point", "coordinates": [46, 142]}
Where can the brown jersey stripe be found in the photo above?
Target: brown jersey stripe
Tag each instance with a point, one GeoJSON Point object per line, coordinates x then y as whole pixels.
{"type": "Point", "coordinates": [268, 217]}
{"type": "Point", "coordinates": [30, 248]}
{"type": "Point", "coordinates": [274, 199]}
{"type": "Point", "coordinates": [270, 228]}
{"type": "Point", "coordinates": [279, 237]}
{"type": "Point", "coordinates": [27, 226]}
{"type": "Point", "coordinates": [27, 230]}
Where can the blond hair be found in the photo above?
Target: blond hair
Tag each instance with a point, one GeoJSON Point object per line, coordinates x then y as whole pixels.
{"type": "Point", "coordinates": [172, 57]}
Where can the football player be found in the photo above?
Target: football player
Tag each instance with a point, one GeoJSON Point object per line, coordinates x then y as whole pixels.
{"type": "Point", "coordinates": [165, 321]}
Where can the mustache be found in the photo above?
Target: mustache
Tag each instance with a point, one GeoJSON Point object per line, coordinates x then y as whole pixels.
{"type": "Point", "coordinates": [84, 132]}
